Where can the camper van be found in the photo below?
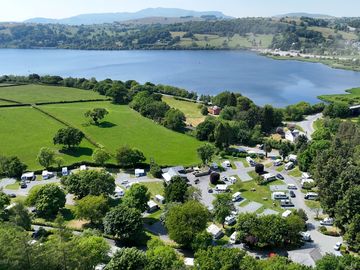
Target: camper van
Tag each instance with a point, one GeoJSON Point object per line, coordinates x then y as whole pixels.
{"type": "Point", "coordinates": [64, 171]}
{"type": "Point", "coordinates": [279, 195]}
{"type": "Point", "coordinates": [221, 188]}
{"type": "Point", "coordinates": [30, 176]}
{"type": "Point", "coordinates": [311, 196]}
{"type": "Point", "coordinates": [278, 162]}
{"type": "Point", "coordinates": [250, 161]}
{"type": "Point", "coordinates": [236, 197]}
{"type": "Point", "coordinates": [233, 238]}
{"type": "Point", "coordinates": [289, 166]}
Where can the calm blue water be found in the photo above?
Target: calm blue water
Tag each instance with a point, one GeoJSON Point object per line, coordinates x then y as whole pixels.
{"type": "Point", "coordinates": [262, 79]}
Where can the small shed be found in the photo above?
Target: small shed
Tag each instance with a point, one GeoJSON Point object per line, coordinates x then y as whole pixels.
{"type": "Point", "coordinates": [83, 168]}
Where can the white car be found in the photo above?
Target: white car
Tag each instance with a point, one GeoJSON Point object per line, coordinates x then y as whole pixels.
{"type": "Point", "coordinates": [327, 222]}
{"type": "Point", "coordinates": [337, 246]}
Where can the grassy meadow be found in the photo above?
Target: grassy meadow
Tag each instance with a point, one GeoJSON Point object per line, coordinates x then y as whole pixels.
{"type": "Point", "coordinates": [24, 131]}
{"type": "Point", "coordinates": [123, 126]}
{"type": "Point", "coordinates": [42, 93]}
{"type": "Point", "coordinates": [190, 109]}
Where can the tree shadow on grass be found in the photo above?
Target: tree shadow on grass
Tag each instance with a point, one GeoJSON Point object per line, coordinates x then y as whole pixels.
{"type": "Point", "coordinates": [106, 124]}
{"type": "Point", "coordinates": [77, 151]}
{"type": "Point", "coordinates": [67, 214]}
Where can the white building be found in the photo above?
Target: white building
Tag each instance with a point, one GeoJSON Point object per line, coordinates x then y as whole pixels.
{"type": "Point", "coordinates": [29, 176]}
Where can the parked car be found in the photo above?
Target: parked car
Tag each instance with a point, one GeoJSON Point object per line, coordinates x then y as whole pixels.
{"type": "Point", "coordinates": [306, 236]}
{"type": "Point", "coordinates": [292, 194]}
{"type": "Point", "coordinates": [23, 184]}
{"type": "Point", "coordinates": [279, 176]}
{"type": "Point", "coordinates": [337, 246]}
{"type": "Point", "coordinates": [197, 181]}
{"type": "Point", "coordinates": [292, 186]}
{"type": "Point", "coordinates": [210, 190]}
{"type": "Point", "coordinates": [12, 195]}
{"type": "Point", "coordinates": [327, 222]}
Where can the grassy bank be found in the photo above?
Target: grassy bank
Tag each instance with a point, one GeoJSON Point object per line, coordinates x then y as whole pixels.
{"type": "Point", "coordinates": [352, 97]}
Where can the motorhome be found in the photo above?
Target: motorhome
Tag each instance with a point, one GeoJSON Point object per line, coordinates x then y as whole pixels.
{"type": "Point", "coordinates": [279, 195]}
{"type": "Point", "coordinates": [236, 197]}
{"type": "Point", "coordinates": [311, 196]}
{"type": "Point", "coordinates": [289, 166]}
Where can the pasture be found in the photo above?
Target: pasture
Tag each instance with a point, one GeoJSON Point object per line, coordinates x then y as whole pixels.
{"type": "Point", "coordinates": [42, 93]}
{"type": "Point", "coordinates": [190, 109]}
{"type": "Point", "coordinates": [24, 131]}
{"type": "Point", "coordinates": [123, 126]}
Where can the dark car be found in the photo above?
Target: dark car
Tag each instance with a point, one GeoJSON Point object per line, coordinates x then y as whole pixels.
{"type": "Point", "coordinates": [279, 176]}
{"type": "Point", "coordinates": [197, 181]}
{"type": "Point", "coordinates": [292, 194]}
{"type": "Point", "coordinates": [210, 190]}
{"type": "Point", "coordinates": [12, 195]}
{"type": "Point", "coordinates": [23, 184]}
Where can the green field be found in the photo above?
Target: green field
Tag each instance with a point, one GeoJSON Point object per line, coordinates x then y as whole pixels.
{"type": "Point", "coordinates": [235, 42]}
{"type": "Point", "coordinates": [190, 109]}
{"type": "Point", "coordinates": [352, 97]}
{"type": "Point", "coordinates": [24, 131]}
{"type": "Point", "coordinates": [124, 126]}
{"type": "Point", "coordinates": [41, 93]}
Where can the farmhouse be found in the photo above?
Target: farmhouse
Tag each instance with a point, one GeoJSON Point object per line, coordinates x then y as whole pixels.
{"type": "Point", "coordinates": [169, 173]}
{"type": "Point", "coordinates": [215, 110]}
{"type": "Point", "coordinates": [215, 231]}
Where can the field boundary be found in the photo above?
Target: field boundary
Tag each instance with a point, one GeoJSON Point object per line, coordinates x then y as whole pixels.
{"type": "Point", "coordinates": [89, 139]}
{"type": "Point", "coordinates": [19, 104]}
{"type": "Point", "coordinates": [10, 100]}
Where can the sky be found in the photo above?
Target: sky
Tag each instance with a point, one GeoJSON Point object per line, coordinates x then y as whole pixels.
{"type": "Point", "coordinates": [18, 10]}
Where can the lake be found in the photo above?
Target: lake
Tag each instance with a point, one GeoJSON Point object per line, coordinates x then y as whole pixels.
{"type": "Point", "coordinates": [264, 80]}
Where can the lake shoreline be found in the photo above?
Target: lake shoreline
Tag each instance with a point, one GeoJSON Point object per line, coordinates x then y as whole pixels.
{"type": "Point", "coordinates": [256, 76]}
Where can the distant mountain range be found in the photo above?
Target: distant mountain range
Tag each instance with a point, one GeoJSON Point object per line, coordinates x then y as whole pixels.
{"type": "Point", "coordinates": [303, 14]}
{"type": "Point", "coordinates": [99, 18]}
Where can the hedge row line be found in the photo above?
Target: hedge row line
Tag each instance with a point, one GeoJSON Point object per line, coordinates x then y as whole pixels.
{"type": "Point", "coordinates": [66, 124]}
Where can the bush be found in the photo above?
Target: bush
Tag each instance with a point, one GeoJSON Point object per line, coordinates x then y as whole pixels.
{"type": "Point", "coordinates": [214, 178]}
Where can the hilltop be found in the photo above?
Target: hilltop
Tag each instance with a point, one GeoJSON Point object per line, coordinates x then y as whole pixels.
{"type": "Point", "coordinates": [100, 18]}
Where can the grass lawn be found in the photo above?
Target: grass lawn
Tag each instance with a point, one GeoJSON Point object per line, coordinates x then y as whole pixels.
{"type": "Point", "coordinates": [295, 172]}
{"type": "Point", "coordinates": [155, 188]}
{"type": "Point", "coordinates": [280, 168]}
{"type": "Point", "coordinates": [14, 186]}
{"type": "Point", "coordinates": [40, 93]}
{"type": "Point", "coordinates": [2, 102]}
{"type": "Point", "coordinates": [313, 204]}
{"type": "Point", "coordinates": [262, 194]}
{"type": "Point", "coordinates": [190, 109]}
{"type": "Point", "coordinates": [30, 131]}
{"type": "Point", "coordinates": [124, 126]}
{"type": "Point", "coordinates": [352, 97]}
